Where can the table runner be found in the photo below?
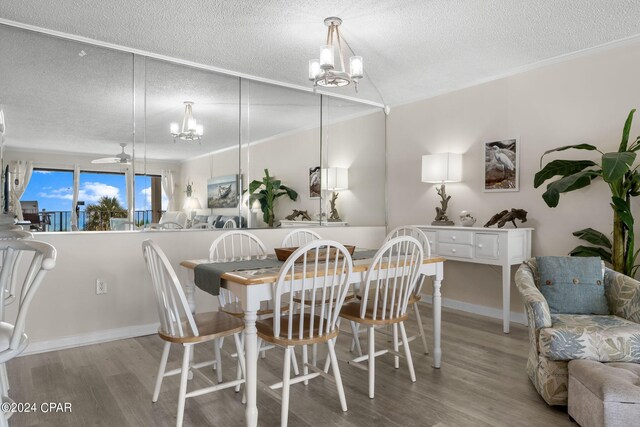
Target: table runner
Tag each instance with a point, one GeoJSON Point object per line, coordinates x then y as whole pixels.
{"type": "Point", "coordinates": [209, 276]}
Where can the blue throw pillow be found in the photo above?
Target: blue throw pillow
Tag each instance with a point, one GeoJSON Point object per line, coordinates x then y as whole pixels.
{"type": "Point", "coordinates": [572, 285]}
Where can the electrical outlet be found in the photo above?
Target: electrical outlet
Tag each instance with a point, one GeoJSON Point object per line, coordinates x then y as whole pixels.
{"type": "Point", "coordinates": [101, 287]}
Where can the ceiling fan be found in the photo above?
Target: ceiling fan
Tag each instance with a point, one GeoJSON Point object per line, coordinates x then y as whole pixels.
{"type": "Point", "coordinates": [122, 158]}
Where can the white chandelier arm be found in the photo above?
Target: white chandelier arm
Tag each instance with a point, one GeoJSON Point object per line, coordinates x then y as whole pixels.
{"type": "Point", "coordinates": [340, 49]}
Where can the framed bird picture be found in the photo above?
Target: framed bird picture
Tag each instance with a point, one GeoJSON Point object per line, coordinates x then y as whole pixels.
{"type": "Point", "coordinates": [502, 165]}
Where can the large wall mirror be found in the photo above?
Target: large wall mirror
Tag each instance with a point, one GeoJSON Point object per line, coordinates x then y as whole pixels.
{"type": "Point", "coordinates": [99, 139]}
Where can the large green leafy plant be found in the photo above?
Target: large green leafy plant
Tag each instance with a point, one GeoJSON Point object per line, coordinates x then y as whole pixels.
{"type": "Point", "coordinates": [267, 192]}
{"type": "Point", "coordinates": [618, 171]}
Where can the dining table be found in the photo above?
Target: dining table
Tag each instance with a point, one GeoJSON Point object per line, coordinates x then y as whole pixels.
{"type": "Point", "coordinates": [253, 286]}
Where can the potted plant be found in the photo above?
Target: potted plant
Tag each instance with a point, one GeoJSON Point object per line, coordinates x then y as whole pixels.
{"type": "Point", "coordinates": [267, 192]}
{"type": "Point", "coordinates": [617, 170]}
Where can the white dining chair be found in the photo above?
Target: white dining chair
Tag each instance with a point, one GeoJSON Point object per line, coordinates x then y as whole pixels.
{"type": "Point", "coordinates": [10, 262]}
{"type": "Point", "coordinates": [299, 237]}
{"type": "Point", "coordinates": [13, 339]}
{"type": "Point", "coordinates": [322, 267]}
{"type": "Point", "coordinates": [230, 223]}
{"type": "Point", "coordinates": [416, 296]}
{"type": "Point", "coordinates": [179, 326]}
{"type": "Point", "coordinates": [386, 291]}
{"type": "Point", "coordinates": [239, 245]}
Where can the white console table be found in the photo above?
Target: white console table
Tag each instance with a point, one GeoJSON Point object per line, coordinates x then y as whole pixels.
{"type": "Point", "coordinates": [493, 246]}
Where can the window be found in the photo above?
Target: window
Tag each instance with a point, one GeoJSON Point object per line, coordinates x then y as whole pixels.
{"type": "Point", "coordinates": [101, 196]}
{"type": "Point", "coordinates": [52, 192]}
{"type": "Point", "coordinates": [150, 200]}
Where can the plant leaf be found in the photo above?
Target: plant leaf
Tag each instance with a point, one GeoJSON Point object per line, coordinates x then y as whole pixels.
{"type": "Point", "coordinates": [254, 185]}
{"type": "Point", "coordinates": [588, 147]}
{"type": "Point", "coordinates": [625, 131]}
{"type": "Point", "coordinates": [615, 165]}
{"type": "Point", "coordinates": [293, 194]}
{"type": "Point", "coordinates": [591, 251]}
{"type": "Point", "coordinates": [562, 168]}
{"type": "Point", "coordinates": [594, 237]}
{"type": "Point", "coordinates": [566, 184]}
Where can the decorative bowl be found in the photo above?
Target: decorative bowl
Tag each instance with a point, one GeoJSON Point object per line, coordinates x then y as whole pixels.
{"type": "Point", "coordinates": [284, 253]}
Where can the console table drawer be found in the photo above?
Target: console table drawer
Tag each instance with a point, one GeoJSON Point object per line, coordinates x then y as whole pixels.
{"type": "Point", "coordinates": [432, 238]}
{"type": "Point", "coordinates": [455, 236]}
{"type": "Point", "coordinates": [455, 250]}
{"type": "Point", "coordinates": [487, 246]}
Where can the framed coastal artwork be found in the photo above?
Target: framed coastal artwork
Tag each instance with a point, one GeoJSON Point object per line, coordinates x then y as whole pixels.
{"type": "Point", "coordinates": [314, 182]}
{"type": "Point", "coordinates": [502, 165]}
{"type": "Point", "coordinates": [223, 192]}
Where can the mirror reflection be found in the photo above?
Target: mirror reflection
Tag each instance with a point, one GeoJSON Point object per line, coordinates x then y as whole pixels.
{"type": "Point", "coordinates": [68, 145]}
{"type": "Point", "coordinates": [98, 139]}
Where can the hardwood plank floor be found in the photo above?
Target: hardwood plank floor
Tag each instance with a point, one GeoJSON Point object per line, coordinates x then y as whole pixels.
{"type": "Point", "coordinates": [482, 382]}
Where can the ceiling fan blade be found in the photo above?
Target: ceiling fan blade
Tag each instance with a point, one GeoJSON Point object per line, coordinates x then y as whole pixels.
{"type": "Point", "coordinates": [106, 160]}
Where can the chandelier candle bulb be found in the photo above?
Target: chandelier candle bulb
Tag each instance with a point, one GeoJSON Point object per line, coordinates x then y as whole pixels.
{"type": "Point", "coordinates": [174, 128]}
{"type": "Point", "coordinates": [326, 57]}
{"type": "Point", "coordinates": [314, 69]}
{"type": "Point", "coordinates": [356, 67]}
{"type": "Point", "coordinates": [199, 129]}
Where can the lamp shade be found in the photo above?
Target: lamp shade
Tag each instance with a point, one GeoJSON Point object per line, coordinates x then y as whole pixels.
{"type": "Point", "coordinates": [443, 167]}
{"type": "Point", "coordinates": [336, 178]}
{"type": "Point", "coordinates": [191, 203]}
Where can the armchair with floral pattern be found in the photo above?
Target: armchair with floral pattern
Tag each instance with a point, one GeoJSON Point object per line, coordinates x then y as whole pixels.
{"type": "Point", "coordinates": [555, 339]}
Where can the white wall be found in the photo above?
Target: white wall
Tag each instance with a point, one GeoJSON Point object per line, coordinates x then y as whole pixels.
{"type": "Point", "coordinates": [582, 100]}
{"type": "Point", "coordinates": [67, 311]}
{"type": "Point", "coordinates": [357, 144]}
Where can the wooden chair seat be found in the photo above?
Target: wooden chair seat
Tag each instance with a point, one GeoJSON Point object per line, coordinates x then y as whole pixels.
{"type": "Point", "coordinates": [351, 312]}
{"type": "Point", "coordinates": [265, 331]}
{"type": "Point", "coordinates": [210, 326]}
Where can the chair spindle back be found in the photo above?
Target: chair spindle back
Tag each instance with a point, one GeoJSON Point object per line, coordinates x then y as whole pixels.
{"type": "Point", "coordinates": [235, 245]}
{"type": "Point", "coordinates": [317, 273]}
{"type": "Point", "coordinates": [299, 238]}
{"type": "Point", "coordinates": [170, 298]}
{"type": "Point", "coordinates": [391, 278]}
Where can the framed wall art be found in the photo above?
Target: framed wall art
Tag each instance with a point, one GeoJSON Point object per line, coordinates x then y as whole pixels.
{"type": "Point", "coordinates": [502, 165]}
{"type": "Point", "coordinates": [223, 192]}
{"type": "Point", "coordinates": [314, 182]}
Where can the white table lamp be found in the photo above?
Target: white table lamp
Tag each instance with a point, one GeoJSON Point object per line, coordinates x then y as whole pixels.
{"type": "Point", "coordinates": [191, 204]}
{"type": "Point", "coordinates": [442, 168]}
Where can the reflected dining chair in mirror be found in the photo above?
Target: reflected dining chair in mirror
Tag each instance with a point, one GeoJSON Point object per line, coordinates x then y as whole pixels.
{"type": "Point", "coordinates": [415, 296]}
{"type": "Point", "coordinates": [13, 339]}
{"type": "Point", "coordinates": [230, 223]}
{"type": "Point", "coordinates": [299, 237]}
{"type": "Point", "coordinates": [322, 267]}
{"type": "Point", "coordinates": [386, 291]}
{"type": "Point", "coordinates": [179, 326]}
{"type": "Point", "coordinates": [170, 220]}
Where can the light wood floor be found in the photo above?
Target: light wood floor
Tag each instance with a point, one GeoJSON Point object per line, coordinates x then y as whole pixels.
{"type": "Point", "coordinates": [482, 382]}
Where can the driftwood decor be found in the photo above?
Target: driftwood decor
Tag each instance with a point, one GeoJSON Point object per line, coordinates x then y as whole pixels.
{"type": "Point", "coordinates": [502, 217]}
{"type": "Point", "coordinates": [296, 213]}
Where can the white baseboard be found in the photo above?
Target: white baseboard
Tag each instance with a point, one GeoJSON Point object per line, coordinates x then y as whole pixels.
{"type": "Point", "coordinates": [141, 330]}
{"type": "Point", "coordinates": [90, 338]}
{"type": "Point", "coordinates": [482, 310]}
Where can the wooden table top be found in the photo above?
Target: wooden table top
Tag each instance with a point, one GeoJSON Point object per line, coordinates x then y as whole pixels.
{"type": "Point", "coordinates": [270, 275]}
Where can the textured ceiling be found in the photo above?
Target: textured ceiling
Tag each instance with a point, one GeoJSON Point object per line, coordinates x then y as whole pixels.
{"type": "Point", "coordinates": [412, 49]}
{"type": "Point", "coordinates": [57, 100]}
{"type": "Point", "coordinates": [59, 95]}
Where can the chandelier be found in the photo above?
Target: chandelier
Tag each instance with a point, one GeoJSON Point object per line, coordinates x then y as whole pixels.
{"type": "Point", "coordinates": [190, 130]}
{"type": "Point", "coordinates": [324, 71]}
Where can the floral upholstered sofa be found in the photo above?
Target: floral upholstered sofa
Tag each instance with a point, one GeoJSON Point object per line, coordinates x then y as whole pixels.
{"type": "Point", "coordinates": [555, 339]}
